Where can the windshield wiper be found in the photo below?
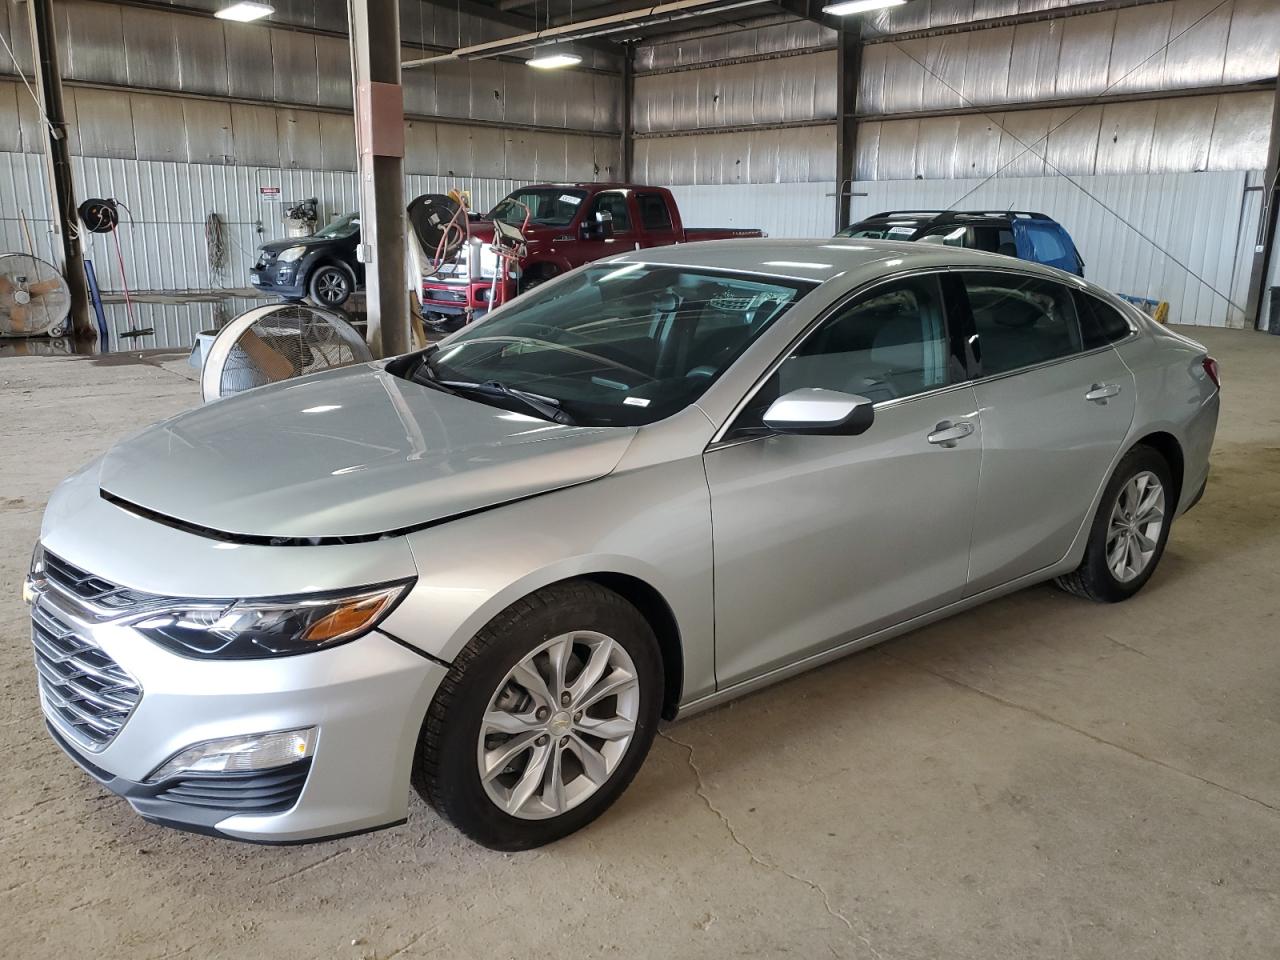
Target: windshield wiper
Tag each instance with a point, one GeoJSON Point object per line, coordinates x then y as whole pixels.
{"type": "Point", "coordinates": [545, 407]}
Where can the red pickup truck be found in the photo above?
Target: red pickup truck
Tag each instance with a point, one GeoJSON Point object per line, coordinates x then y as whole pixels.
{"type": "Point", "coordinates": [568, 224]}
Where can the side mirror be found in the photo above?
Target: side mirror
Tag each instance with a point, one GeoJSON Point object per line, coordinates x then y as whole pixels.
{"type": "Point", "coordinates": [813, 410]}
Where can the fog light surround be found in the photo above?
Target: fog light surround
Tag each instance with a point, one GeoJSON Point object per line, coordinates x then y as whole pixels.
{"type": "Point", "coordinates": [249, 753]}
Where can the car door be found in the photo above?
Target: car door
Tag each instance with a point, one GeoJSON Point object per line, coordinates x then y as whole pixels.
{"type": "Point", "coordinates": [624, 236]}
{"type": "Point", "coordinates": [822, 539]}
{"type": "Point", "coordinates": [655, 218]}
{"type": "Point", "coordinates": [1054, 412]}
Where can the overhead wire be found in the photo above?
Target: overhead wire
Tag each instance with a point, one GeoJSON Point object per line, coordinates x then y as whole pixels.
{"type": "Point", "coordinates": [1030, 148]}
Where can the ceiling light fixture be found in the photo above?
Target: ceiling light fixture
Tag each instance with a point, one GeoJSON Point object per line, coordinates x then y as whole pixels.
{"type": "Point", "coordinates": [245, 11]}
{"type": "Point", "coordinates": [553, 58]}
{"type": "Point", "coordinates": [847, 7]}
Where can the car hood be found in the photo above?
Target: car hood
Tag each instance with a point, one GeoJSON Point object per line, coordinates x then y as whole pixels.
{"type": "Point", "coordinates": [349, 454]}
{"type": "Point", "coordinates": [277, 247]}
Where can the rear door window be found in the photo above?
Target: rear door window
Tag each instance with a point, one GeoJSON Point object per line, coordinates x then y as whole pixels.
{"type": "Point", "coordinates": [1100, 323]}
{"type": "Point", "coordinates": [1020, 321]}
{"type": "Point", "coordinates": [654, 214]}
{"type": "Point", "coordinates": [995, 240]}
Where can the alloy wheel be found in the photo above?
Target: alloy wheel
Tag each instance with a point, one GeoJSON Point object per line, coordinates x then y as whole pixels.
{"type": "Point", "coordinates": [558, 725]}
{"type": "Point", "coordinates": [1133, 532]}
{"type": "Point", "coordinates": [332, 286]}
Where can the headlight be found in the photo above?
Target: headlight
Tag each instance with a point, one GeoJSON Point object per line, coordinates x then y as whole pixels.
{"type": "Point", "coordinates": [280, 627]}
{"type": "Point", "coordinates": [292, 254]}
{"type": "Point", "coordinates": [246, 754]}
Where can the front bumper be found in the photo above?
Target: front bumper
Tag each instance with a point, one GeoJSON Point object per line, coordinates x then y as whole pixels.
{"type": "Point", "coordinates": [366, 699]}
{"type": "Point", "coordinates": [459, 297]}
{"type": "Point", "coordinates": [283, 280]}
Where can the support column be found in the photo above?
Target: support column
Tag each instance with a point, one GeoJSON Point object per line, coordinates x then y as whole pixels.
{"type": "Point", "coordinates": [627, 146]}
{"type": "Point", "coordinates": [848, 71]}
{"type": "Point", "coordinates": [57, 163]}
{"type": "Point", "coordinates": [379, 102]}
{"type": "Point", "coordinates": [1265, 251]}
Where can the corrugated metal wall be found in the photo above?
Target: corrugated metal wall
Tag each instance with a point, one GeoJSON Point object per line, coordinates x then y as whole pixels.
{"type": "Point", "coordinates": [1221, 132]}
{"type": "Point", "coordinates": [1184, 238]}
{"type": "Point", "coordinates": [162, 229]}
{"type": "Point", "coordinates": [155, 49]}
{"type": "Point", "coordinates": [1116, 51]}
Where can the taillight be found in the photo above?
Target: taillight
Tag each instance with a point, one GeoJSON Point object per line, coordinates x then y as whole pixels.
{"type": "Point", "coordinates": [1211, 368]}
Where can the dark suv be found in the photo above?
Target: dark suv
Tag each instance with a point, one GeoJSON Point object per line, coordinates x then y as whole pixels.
{"type": "Point", "coordinates": [322, 266]}
{"type": "Point", "coordinates": [1027, 236]}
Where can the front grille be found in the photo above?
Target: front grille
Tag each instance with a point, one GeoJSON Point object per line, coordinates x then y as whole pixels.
{"type": "Point", "coordinates": [71, 580]}
{"type": "Point", "coordinates": [446, 296]}
{"type": "Point", "coordinates": [86, 693]}
{"type": "Point", "coordinates": [270, 791]}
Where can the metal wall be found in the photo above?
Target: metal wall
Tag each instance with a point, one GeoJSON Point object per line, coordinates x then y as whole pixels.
{"type": "Point", "coordinates": [139, 126]}
{"type": "Point", "coordinates": [153, 49]}
{"type": "Point", "coordinates": [797, 155]}
{"type": "Point", "coordinates": [1187, 134]}
{"type": "Point", "coordinates": [162, 227]}
{"type": "Point", "coordinates": [1116, 52]}
{"type": "Point", "coordinates": [700, 85]}
{"type": "Point", "coordinates": [1184, 238]}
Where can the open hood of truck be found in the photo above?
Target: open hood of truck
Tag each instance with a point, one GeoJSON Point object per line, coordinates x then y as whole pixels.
{"type": "Point", "coordinates": [352, 454]}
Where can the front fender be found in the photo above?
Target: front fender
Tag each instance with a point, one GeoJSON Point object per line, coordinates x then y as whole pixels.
{"type": "Point", "coordinates": [651, 523]}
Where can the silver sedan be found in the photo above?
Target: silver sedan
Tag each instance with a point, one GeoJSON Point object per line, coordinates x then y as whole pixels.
{"type": "Point", "coordinates": [488, 569]}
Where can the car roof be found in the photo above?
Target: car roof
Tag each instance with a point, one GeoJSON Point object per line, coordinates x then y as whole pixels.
{"type": "Point", "coordinates": [824, 259]}
{"type": "Point", "coordinates": [956, 215]}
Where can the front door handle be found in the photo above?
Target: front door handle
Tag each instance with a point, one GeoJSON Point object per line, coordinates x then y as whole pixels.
{"type": "Point", "coordinates": [948, 434]}
{"type": "Point", "coordinates": [1099, 392]}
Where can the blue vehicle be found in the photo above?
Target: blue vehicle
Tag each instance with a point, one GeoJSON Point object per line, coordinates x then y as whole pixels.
{"type": "Point", "coordinates": [1027, 236]}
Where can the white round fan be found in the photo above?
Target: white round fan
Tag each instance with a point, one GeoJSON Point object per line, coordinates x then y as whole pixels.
{"type": "Point", "coordinates": [278, 342]}
{"type": "Point", "coordinates": [34, 299]}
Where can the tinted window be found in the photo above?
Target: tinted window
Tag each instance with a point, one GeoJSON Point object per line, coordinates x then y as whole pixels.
{"type": "Point", "coordinates": [654, 214]}
{"type": "Point", "coordinates": [1046, 243]}
{"type": "Point", "coordinates": [1020, 321]}
{"type": "Point", "coordinates": [888, 344]}
{"type": "Point", "coordinates": [548, 206]}
{"type": "Point", "coordinates": [615, 204]}
{"type": "Point", "coordinates": [618, 343]}
{"type": "Point", "coordinates": [995, 240]}
{"type": "Point", "coordinates": [1100, 323]}
{"type": "Point", "coordinates": [952, 236]}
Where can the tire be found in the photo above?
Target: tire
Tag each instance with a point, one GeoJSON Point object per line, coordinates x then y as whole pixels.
{"type": "Point", "coordinates": [536, 279]}
{"type": "Point", "coordinates": [330, 285]}
{"type": "Point", "coordinates": [1096, 578]}
{"type": "Point", "coordinates": [448, 767]}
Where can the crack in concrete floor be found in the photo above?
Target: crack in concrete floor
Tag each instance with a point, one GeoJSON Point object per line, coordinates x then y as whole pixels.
{"type": "Point", "coordinates": [700, 787]}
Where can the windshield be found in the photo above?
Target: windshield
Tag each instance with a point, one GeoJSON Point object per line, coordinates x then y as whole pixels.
{"type": "Point", "coordinates": [546, 206]}
{"type": "Point", "coordinates": [342, 227]}
{"type": "Point", "coordinates": [614, 344]}
{"type": "Point", "coordinates": [885, 231]}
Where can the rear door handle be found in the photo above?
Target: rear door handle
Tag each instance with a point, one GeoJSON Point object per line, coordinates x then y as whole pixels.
{"type": "Point", "coordinates": [1099, 392]}
{"type": "Point", "coordinates": [948, 434]}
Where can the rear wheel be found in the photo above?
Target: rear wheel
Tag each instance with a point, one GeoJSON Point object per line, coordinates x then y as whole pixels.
{"type": "Point", "coordinates": [330, 286]}
{"type": "Point", "coordinates": [544, 718]}
{"type": "Point", "coordinates": [1129, 532]}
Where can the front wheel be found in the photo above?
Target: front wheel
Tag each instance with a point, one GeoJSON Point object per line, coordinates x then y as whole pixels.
{"type": "Point", "coordinates": [1129, 531]}
{"type": "Point", "coordinates": [330, 286]}
{"type": "Point", "coordinates": [544, 718]}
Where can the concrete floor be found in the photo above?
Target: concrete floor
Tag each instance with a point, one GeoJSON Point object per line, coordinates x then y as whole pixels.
{"type": "Point", "coordinates": [1042, 777]}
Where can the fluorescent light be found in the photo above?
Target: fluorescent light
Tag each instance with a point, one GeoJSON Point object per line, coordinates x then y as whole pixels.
{"type": "Point", "coordinates": [847, 7]}
{"type": "Point", "coordinates": [245, 11]}
{"type": "Point", "coordinates": [553, 58]}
